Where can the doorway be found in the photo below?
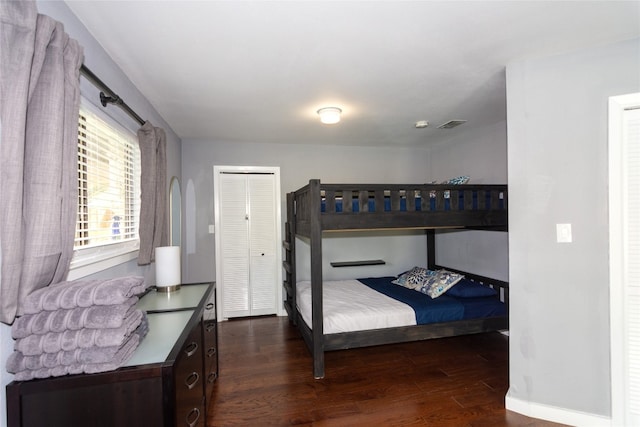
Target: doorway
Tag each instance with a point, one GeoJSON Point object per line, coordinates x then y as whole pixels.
{"type": "Point", "coordinates": [624, 253]}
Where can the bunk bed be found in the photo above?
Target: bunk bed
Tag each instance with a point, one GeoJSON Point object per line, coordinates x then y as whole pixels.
{"type": "Point", "coordinates": [318, 208]}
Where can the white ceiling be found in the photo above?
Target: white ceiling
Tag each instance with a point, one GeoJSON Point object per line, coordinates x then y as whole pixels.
{"type": "Point", "coordinates": [258, 71]}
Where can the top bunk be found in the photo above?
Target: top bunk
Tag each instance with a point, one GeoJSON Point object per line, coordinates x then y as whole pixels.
{"type": "Point", "coordinates": [344, 207]}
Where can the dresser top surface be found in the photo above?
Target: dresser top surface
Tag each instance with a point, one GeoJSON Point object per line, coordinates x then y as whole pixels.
{"type": "Point", "coordinates": [188, 296]}
{"type": "Point", "coordinates": [168, 315]}
{"type": "Point", "coordinates": [164, 331]}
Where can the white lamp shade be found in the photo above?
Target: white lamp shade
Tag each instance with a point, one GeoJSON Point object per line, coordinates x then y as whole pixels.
{"type": "Point", "coordinates": [168, 266]}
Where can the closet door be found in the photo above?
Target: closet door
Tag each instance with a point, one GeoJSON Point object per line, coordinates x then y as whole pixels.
{"type": "Point", "coordinates": [263, 244]}
{"type": "Point", "coordinates": [234, 242]}
{"type": "Point", "coordinates": [248, 244]}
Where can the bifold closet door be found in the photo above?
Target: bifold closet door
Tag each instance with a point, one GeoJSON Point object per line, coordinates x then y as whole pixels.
{"type": "Point", "coordinates": [263, 244]}
{"type": "Point", "coordinates": [248, 244]}
{"type": "Point", "coordinates": [234, 245]}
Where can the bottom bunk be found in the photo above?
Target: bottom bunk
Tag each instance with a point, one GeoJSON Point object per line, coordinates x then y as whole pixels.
{"type": "Point", "coordinates": [383, 310]}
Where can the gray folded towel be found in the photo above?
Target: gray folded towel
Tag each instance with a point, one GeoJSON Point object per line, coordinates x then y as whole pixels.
{"type": "Point", "coordinates": [53, 342]}
{"type": "Point", "coordinates": [97, 317]}
{"type": "Point", "coordinates": [116, 291]}
{"type": "Point", "coordinates": [91, 360]}
{"type": "Point", "coordinates": [19, 362]}
{"type": "Point", "coordinates": [84, 293]}
{"type": "Point", "coordinates": [77, 368]}
{"type": "Point", "coordinates": [64, 295]}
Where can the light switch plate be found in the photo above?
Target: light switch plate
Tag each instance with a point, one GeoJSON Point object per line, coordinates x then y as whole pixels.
{"type": "Point", "coordinates": [563, 233]}
{"type": "Point", "coordinates": [212, 229]}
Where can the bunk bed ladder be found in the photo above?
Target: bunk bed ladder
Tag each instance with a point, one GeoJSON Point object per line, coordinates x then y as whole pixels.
{"type": "Point", "coordinates": [289, 263]}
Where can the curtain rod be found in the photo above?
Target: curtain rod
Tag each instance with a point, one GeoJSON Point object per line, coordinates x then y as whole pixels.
{"type": "Point", "coordinates": [112, 98]}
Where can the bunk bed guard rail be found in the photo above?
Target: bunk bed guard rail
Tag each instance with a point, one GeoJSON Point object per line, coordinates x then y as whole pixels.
{"type": "Point", "coordinates": [349, 206]}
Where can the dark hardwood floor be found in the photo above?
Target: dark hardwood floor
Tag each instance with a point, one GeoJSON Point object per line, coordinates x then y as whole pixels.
{"type": "Point", "coordinates": [266, 379]}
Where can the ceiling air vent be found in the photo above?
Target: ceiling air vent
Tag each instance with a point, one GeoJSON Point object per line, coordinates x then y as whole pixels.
{"type": "Point", "coordinates": [451, 124]}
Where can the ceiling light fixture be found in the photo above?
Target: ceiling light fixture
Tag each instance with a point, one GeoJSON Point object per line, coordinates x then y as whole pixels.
{"type": "Point", "coordinates": [421, 124]}
{"type": "Point", "coordinates": [329, 115]}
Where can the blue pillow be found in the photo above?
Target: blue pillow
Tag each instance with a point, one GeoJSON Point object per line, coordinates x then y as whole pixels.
{"type": "Point", "coordinates": [470, 289]}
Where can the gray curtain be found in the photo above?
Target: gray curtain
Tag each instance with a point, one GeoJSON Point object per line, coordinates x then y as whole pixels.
{"type": "Point", "coordinates": [153, 191]}
{"type": "Point", "coordinates": [39, 101]}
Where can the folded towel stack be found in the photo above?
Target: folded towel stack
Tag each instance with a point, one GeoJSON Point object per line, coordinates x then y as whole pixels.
{"type": "Point", "coordinates": [79, 326]}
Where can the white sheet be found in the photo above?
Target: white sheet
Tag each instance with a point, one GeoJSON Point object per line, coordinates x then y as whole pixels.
{"type": "Point", "coordinates": [351, 306]}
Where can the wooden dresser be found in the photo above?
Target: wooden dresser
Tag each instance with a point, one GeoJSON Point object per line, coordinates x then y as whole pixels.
{"type": "Point", "coordinates": [167, 382]}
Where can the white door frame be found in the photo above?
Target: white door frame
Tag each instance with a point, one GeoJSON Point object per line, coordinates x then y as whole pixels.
{"type": "Point", "coordinates": [618, 257]}
{"type": "Point", "coordinates": [275, 170]}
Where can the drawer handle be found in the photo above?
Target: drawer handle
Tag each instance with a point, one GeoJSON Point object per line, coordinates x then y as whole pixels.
{"type": "Point", "coordinates": [211, 352]}
{"type": "Point", "coordinates": [193, 414]}
{"type": "Point", "coordinates": [192, 380]}
{"type": "Point", "coordinates": [210, 327]}
{"type": "Point", "coordinates": [209, 306]}
{"type": "Point", "coordinates": [191, 348]}
{"type": "Point", "coordinates": [212, 377]}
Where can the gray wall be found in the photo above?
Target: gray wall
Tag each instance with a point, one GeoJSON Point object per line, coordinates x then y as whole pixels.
{"type": "Point", "coordinates": [299, 163]}
{"type": "Point", "coordinates": [102, 65]}
{"type": "Point", "coordinates": [557, 154]}
{"type": "Point", "coordinates": [483, 157]}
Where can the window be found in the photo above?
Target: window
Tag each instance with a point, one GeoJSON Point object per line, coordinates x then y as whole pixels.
{"type": "Point", "coordinates": [108, 189]}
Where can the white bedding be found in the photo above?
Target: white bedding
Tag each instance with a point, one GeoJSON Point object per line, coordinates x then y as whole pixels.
{"type": "Point", "coordinates": [352, 306]}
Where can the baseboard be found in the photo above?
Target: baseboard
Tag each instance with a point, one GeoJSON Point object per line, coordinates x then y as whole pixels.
{"type": "Point", "coordinates": [555, 414]}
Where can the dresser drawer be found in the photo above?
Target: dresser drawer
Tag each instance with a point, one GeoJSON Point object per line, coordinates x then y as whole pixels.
{"type": "Point", "coordinates": [210, 346]}
{"type": "Point", "coordinates": [194, 417]}
{"type": "Point", "coordinates": [209, 312]}
{"type": "Point", "coordinates": [210, 356]}
{"type": "Point", "coordinates": [189, 381]}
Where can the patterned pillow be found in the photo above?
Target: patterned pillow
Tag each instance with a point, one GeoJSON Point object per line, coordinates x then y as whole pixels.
{"type": "Point", "coordinates": [440, 282]}
{"type": "Point", "coordinates": [401, 278]}
{"type": "Point", "coordinates": [414, 278]}
{"type": "Point", "coordinates": [457, 180]}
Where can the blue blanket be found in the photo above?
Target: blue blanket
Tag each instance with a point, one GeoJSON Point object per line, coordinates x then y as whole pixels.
{"type": "Point", "coordinates": [445, 308]}
{"type": "Point", "coordinates": [442, 309]}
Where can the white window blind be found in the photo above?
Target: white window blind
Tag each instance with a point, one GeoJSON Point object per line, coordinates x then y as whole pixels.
{"type": "Point", "coordinates": [108, 182]}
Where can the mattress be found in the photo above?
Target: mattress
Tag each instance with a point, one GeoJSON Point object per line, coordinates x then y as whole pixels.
{"type": "Point", "coordinates": [351, 306]}
{"type": "Point", "coordinates": [376, 303]}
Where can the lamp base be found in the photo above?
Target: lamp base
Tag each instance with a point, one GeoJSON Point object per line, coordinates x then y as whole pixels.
{"type": "Point", "coordinates": [168, 289]}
